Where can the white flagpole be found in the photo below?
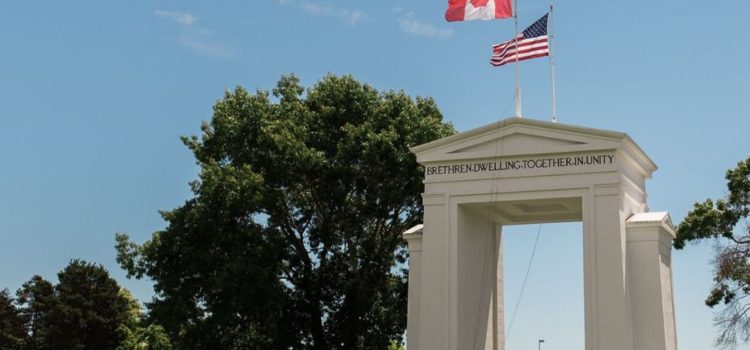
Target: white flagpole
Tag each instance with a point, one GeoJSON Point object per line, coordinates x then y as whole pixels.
{"type": "Point", "coordinates": [518, 66]}
{"type": "Point", "coordinates": [551, 38]}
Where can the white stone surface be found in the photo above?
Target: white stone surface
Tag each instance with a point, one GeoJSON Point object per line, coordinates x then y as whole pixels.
{"type": "Point", "coordinates": [521, 171]}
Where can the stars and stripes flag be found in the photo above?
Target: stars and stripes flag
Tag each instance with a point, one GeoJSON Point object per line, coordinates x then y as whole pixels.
{"type": "Point", "coordinates": [466, 10]}
{"type": "Point", "coordinates": [530, 44]}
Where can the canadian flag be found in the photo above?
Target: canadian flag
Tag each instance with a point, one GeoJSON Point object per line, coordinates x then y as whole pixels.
{"type": "Point", "coordinates": [466, 10]}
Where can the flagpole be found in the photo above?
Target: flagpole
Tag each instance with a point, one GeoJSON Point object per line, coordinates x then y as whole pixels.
{"type": "Point", "coordinates": [551, 39]}
{"type": "Point", "coordinates": [518, 66]}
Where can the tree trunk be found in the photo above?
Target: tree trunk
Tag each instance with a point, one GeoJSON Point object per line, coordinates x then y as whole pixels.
{"type": "Point", "coordinates": [316, 325]}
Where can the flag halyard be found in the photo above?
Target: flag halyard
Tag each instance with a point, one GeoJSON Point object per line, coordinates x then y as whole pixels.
{"type": "Point", "coordinates": [531, 43]}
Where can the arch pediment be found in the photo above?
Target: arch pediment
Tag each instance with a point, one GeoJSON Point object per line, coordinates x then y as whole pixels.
{"type": "Point", "coordinates": [517, 137]}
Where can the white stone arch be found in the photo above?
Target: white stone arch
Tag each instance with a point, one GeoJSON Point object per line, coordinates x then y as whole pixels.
{"type": "Point", "coordinates": [521, 171]}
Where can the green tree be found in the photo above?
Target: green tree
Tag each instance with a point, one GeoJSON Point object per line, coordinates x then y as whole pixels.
{"type": "Point", "coordinates": [12, 331]}
{"type": "Point", "coordinates": [293, 236]}
{"type": "Point", "coordinates": [82, 312]}
{"type": "Point", "coordinates": [134, 335]}
{"type": "Point", "coordinates": [725, 221]}
{"type": "Point", "coordinates": [134, 310]}
{"type": "Point", "coordinates": [39, 307]}
{"type": "Point", "coordinates": [153, 337]}
{"type": "Point", "coordinates": [396, 346]}
{"type": "Point", "coordinates": [91, 307]}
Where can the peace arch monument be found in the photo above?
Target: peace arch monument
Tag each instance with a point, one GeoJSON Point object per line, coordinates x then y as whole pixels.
{"type": "Point", "coordinates": [521, 171]}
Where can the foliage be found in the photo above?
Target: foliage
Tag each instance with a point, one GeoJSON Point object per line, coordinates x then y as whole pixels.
{"type": "Point", "coordinates": [83, 311]}
{"type": "Point", "coordinates": [153, 337]}
{"type": "Point", "coordinates": [136, 337]}
{"type": "Point", "coordinates": [396, 346]}
{"type": "Point", "coordinates": [133, 307]}
{"type": "Point", "coordinates": [39, 307]}
{"type": "Point", "coordinates": [92, 308]}
{"type": "Point", "coordinates": [725, 220]}
{"type": "Point", "coordinates": [12, 332]}
{"type": "Point", "coordinates": [293, 236]}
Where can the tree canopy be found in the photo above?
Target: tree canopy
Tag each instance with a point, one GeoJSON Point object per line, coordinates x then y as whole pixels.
{"type": "Point", "coordinates": [151, 337]}
{"type": "Point", "coordinates": [725, 221]}
{"type": "Point", "coordinates": [40, 308]}
{"type": "Point", "coordinates": [12, 331]}
{"type": "Point", "coordinates": [82, 311]}
{"type": "Point", "coordinates": [293, 236]}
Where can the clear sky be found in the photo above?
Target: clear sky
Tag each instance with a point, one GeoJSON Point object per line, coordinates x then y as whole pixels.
{"type": "Point", "coordinates": [94, 95]}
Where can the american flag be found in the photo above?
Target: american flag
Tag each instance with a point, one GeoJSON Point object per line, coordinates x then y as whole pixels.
{"type": "Point", "coordinates": [531, 43]}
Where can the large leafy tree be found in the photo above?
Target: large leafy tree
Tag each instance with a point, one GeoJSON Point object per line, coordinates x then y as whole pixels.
{"type": "Point", "coordinates": [293, 236]}
{"type": "Point", "coordinates": [12, 331]}
{"type": "Point", "coordinates": [725, 221]}
{"type": "Point", "coordinates": [82, 311]}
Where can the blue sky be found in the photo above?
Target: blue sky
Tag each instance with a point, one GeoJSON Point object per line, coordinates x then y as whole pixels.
{"type": "Point", "coordinates": [94, 95]}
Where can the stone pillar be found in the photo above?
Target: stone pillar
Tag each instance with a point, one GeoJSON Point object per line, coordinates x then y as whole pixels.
{"type": "Point", "coordinates": [479, 273]}
{"type": "Point", "coordinates": [413, 237]}
{"type": "Point", "coordinates": [607, 299]}
{"type": "Point", "coordinates": [435, 301]}
{"type": "Point", "coordinates": [496, 320]}
{"type": "Point", "coordinates": [649, 237]}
